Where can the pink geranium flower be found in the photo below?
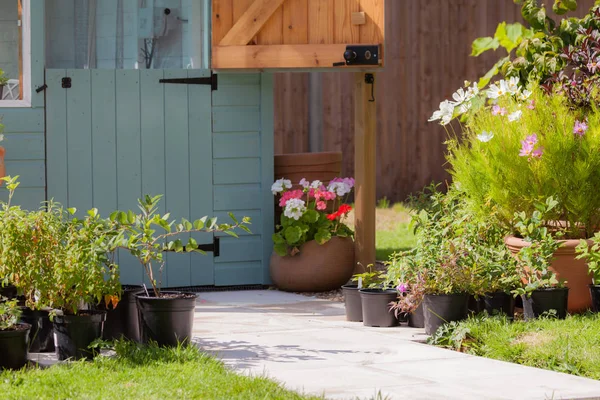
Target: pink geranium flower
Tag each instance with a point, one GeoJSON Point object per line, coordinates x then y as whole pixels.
{"type": "Point", "coordinates": [292, 194]}
{"type": "Point", "coordinates": [321, 205]}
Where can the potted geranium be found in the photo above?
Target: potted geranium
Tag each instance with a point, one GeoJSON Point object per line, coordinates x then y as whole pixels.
{"type": "Point", "coordinates": [165, 317]}
{"type": "Point", "coordinates": [14, 336]}
{"type": "Point", "coordinates": [313, 247]}
{"type": "Point", "coordinates": [542, 291]}
{"type": "Point", "coordinates": [3, 82]}
{"type": "Point", "coordinates": [535, 135]}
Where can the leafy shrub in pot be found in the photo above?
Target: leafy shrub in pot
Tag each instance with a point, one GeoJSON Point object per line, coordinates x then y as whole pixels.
{"type": "Point", "coordinates": [164, 317]}
{"type": "Point", "coordinates": [14, 336]}
{"type": "Point", "coordinates": [591, 254]}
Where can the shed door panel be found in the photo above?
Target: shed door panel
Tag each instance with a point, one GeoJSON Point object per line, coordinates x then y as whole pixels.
{"type": "Point", "coordinates": [115, 136]}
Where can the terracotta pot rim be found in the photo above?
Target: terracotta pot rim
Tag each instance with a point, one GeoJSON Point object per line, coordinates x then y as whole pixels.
{"type": "Point", "coordinates": [313, 242]}
{"type": "Point", "coordinates": [567, 245]}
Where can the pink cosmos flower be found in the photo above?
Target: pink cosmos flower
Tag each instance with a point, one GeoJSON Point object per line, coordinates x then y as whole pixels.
{"type": "Point", "coordinates": [528, 145]}
{"type": "Point", "coordinates": [497, 110]}
{"type": "Point", "coordinates": [531, 105]}
{"type": "Point", "coordinates": [580, 128]}
{"type": "Point", "coordinates": [321, 205]}
{"type": "Point", "coordinates": [537, 153]}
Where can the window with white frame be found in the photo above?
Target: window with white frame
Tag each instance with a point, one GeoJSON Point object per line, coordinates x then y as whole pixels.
{"type": "Point", "coordinates": [14, 53]}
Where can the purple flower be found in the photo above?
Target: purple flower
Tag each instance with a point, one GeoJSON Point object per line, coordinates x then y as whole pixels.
{"type": "Point", "coordinates": [402, 288]}
{"type": "Point", "coordinates": [593, 66]}
{"type": "Point", "coordinates": [497, 110]}
{"type": "Point", "coordinates": [528, 145]}
{"type": "Point", "coordinates": [580, 128]}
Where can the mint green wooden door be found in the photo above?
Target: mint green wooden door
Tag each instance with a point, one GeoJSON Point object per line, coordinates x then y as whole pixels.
{"type": "Point", "coordinates": [116, 135]}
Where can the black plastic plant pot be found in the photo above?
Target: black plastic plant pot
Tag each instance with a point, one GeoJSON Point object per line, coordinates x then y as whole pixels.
{"type": "Point", "coordinates": [439, 309]}
{"type": "Point", "coordinates": [167, 320]}
{"type": "Point", "coordinates": [595, 293]}
{"type": "Point", "coordinates": [122, 321]}
{"type": "Point", "coordinates": [376, 307]}
{"type": "Point", "coordinates": [499, 303]}
{"type": "Point", "coordinates": [551, 300]}
{"type": "Point", "coordinates": [74, 333]}
{"type": "Point", "coordinates": [14, 346]}
{"type": "Point", "coordinates": [8, 291]}
{"type": "Point", "coordinates": [416, 319]}
{"type": "Point", "coordinates": [353, 303]}
{"type": "Point", "coordinates": [41, 334]}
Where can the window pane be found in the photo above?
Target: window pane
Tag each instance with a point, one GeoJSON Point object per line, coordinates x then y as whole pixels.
{"type": "Point", "coordinates": [123, 34]}
{"type": "Point", "coordinates": [10, 49]}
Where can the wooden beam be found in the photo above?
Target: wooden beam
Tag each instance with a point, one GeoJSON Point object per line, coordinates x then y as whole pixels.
{"type": "Point", "coordinates": [365, 126]}
{"type": "Point", "coordinates": [278, 56]}
{"type": "Point", "coordinates": [251, 22]}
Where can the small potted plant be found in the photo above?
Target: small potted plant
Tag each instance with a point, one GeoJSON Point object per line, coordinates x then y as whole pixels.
{"type": "Point", "coordinates": [591, 254]}
{"type": "Point", "coordinates": [3, 82]}
{"type": "Point", "coordinates": [542, 292]}
{"type": "Point", "coordinates": [410, 288]}
{"type": "Point", "coordinates": [165, 317]}
{"type": "Point", "coordinates": [14, 336]}
{"type": "Point", "coordinates": [313, 247]}
{"type": "Point", "coordinates": [369, 300]}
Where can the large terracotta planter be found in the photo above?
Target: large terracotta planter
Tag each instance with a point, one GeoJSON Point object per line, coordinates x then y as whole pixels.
{"type": "Point", "coordinates": [567, 268]}
{"type": "Point", "coordinates": [323, 166]}
{"type": "Point", "coordinates": [317, 268]}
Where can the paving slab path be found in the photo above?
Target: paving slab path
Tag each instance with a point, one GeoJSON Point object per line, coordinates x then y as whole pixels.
{"type": "Point", "coordinates": [307, 345]}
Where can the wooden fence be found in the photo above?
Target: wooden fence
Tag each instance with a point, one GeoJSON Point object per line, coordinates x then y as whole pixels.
{"type": "Point", "coordinates": [428, 43]}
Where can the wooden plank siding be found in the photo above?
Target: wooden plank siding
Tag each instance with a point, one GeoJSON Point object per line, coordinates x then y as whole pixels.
{"type": "Point", "coordinates": [426, 59]}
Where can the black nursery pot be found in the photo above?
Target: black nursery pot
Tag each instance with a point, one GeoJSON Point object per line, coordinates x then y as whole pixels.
{"type": "Point", "coordinates": [41, 334]}
{"type": "Point", "coordinates": [376, 307]}
{"type": "Point", "coordinates": [443, 308]}
{"type": "Point", "coordinates": [416, 319]}
{"type": "Point", "coordinates": [123, 321]}
{"type": "Point", "coordinates": [8, 291]}
{"type": "Point", "coordinates": [353, 303]}
{"type": "Point", "coordinates": [166, 320]}
{"type": "Point", "coordinates": [13, 347]}
{"type": "Point", "coordinates": [595, 293]}
{"type": "Point", "coordinates": [545, 300]}
{"type": "Point", "coordinates": [499, 303]}
{"type": "Point", "coordinates": [74, 333]}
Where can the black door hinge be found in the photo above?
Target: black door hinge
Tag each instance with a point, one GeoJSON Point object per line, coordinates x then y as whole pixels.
{"type": "Point", "coordinates": [212, 80]}
{"type": "Point", "coordinates": [66, 83]}
{"type": "Point", "coordinates": [41, 88]}
{"type": "Point", "coordinates": [214, 247]}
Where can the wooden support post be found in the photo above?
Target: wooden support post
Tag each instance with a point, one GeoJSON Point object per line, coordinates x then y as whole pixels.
{"type": "Point", "coordinates": [365, 126]}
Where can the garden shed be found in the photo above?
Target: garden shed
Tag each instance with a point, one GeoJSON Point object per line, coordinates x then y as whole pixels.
{"type": "Point", "coordinates": [112, 100]}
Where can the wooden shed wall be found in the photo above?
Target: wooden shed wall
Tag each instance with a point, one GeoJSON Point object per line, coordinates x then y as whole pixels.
{"type": "Point", "coordinates": [427, 58]}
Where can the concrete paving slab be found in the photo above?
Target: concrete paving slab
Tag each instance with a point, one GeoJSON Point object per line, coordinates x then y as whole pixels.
{"type": "Point", "coordinates": [306, 344]}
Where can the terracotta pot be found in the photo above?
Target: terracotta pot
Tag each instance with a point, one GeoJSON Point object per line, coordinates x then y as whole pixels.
{"type": "Point", "coordinates": [567, 268]}
{"type": "Point", "coordinates": [323, 166]}
{"type": "Point", "coordinates": [316, 268]}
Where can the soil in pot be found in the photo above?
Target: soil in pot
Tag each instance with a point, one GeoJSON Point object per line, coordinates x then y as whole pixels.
{"type": "Point", "coordinates": [41, 334]}
{"type": "Point", "coordinates": [14, 346]}
{"type": "Point", "coordinates": [352, 303]}
{"type": "Point", "coordinates": [443, 308]}
{"type": "Point", "coordinates": [567, 268]}
{"type": "Point", "coordinates": [544, 301]}
{"type": "Point", "coordinates": [595, 294]}
{"type": "Point", "coordinates": [167, 320]}
{"type": "Point", "coordinates": [74, 333]}
{"type": "Point", "coordinates": [317, 268]}
{"type": "Point", "coordinates": [376, 307]}
{"type": "Point", "coordinates": [123, 321]}
{"type": "Point", "coordinates": [416, 319]}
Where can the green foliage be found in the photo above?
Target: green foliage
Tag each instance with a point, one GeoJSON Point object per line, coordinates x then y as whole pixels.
{"type": "Point", "coordinates": [383, 203]}
{"type": "Point", "coordinates": [591, 254]}
{"type": "Point", "coordinates": [136, 372]}
{"type": "Point", "coordinates": [10, 314]}
{"type": "Point", "coordinates": [370, 279]}
{"type": "Point", "coordinates": [498, 178]}
{"type": "Point", "coordinates": [3, 80]}
{"type": "Point", "coordinates": [139, 234]}
{"type": "Point", "coordinates": [569, 345]}
{"type": "Point", "coordinates": [535, 260]}
{"type": "Point", "coordinates": [456, 252]}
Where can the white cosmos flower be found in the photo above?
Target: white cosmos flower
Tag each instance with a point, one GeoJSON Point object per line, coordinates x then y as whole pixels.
{"type": "Point", "coordinates": [524, 95]}
{"type": "Point", "coordinates": [294, 208]}
{"type": "Point", "coordinates": [485, 136]}
{"type": "Point", "coordinates": [515, 116]}
{"type": "Point", "coordinates": [445, 113]}
{"type": "Point", "coordinates": [460, 96]}
{"type": "Point", "coordinates": [497, 90]}
{"type": "Point", "coordinates": [472, 91]}
{"type": "Point", "coordinates": [513, 85]}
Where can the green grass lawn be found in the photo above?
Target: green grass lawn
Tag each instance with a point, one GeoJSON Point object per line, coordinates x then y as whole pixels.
{"type": "Point", "coordinates": [141, 373]}
{"type": "Point", "coordinates": [571, 346]}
